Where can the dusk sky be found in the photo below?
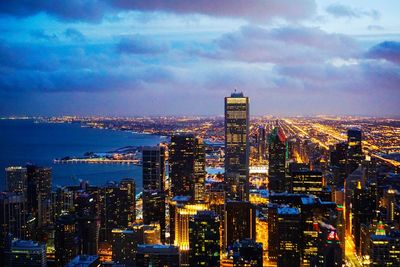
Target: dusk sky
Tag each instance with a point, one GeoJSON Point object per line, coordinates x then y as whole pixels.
{"type": "Point", "coordinates": [154, 57]}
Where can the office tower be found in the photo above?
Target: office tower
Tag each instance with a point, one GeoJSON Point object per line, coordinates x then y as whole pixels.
{"type": "Point", "coordinates": [390, 203]}
{"type": "Point", "coordinates": [84, 261]}
{"type": "Point", "coordinates": [153, 162]}
{"type": "Point", "coordinates": [13, 216]}
{"type": "Point", "coordinates": [329, 249]}
{"type": "Point", "coordinates": [117, 207]}
{"type": "Point", "coordinates": [204, 238]}
{"type": "Point", "coordinates": [39, 181]}
{"type": "Point", "coordinates": [278, 181]}
{"type": "Point", "coordinates": [338, 159]}
{"type": "Point", "coordinates": [240, 222]}
{"type": "Point", "coordinates": [187, 166]}
{"type": "Point", "coordinates": [153, 187]}
{"type": "Point", "coordinates": [362, 210]}
{"type": "Point", "coordinates": [154, 211]}
{"type": "Point", "coordinates": [66, 239]}
{"type": "Point", "coordinates": [261, 143]}
{"type": "Point", "coordinates": [247, 252]}
{"type": "Point", "coordinates": [354, 150]}
{"type": "Point", "coordinates": [237, 146]}
{"type": "Point", "coordinates": [26, 253]}
{"type": "Point", "coordinates": [88, 221]}
{"type": "Point", "coordinates": [16, 180]}
{"type": "Point", "coordinates": [307, 182]}
{"type": "Point", "coordinates": [157, 255]}
{"type": "Point", "coordinates": [384, 249]}
{"type": "Point", "coordinates": [289, 227]}
{"type": "Point", "coordinates": [183, 211]}
{"type": "Point", "coordinates": [124, 246]}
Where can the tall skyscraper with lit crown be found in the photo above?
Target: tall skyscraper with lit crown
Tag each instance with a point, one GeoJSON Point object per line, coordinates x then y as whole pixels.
{"type": "Point", "coordinates": [237, 146]}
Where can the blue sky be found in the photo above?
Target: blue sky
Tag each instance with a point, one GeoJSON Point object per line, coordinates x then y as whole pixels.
{"type": "Point", "coordinates": [154, 57]}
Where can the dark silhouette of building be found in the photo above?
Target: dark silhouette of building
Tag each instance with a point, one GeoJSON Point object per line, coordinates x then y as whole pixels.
{"type": "Point", "coordinates": [66, 241]}
{"type": "Point", "coordinates": [354, 150]}
{"type": "Point", "coordinates": [187, 166]}
{"type": "Point", "coordinates": [247, 252]}
{"type": "Point", "coordinates": [240, 221]}
{"type": "Point", "coordinates": [338, 160]}
{"type": "Point", "coordinates": [278, 180]}
{"type": "Point", "coordinates": [204, 239]}
{"type": "Point", "coordinates": [16, 180]}
{"type": "Point", "coordinates": [154, 196]}
{"type": "Point", "coordinates": [307, 182]}
{"type": "Point", "coordinates": [329, 249]}
{"type": "Point", "coordinates": [157, 255]}
{"type": "Point", "coordinates": [237, 146]}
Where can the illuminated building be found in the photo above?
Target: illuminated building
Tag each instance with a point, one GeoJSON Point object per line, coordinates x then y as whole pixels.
{"type": "Point", "coordinates": [154, 211]}
{"type": "Point", "coordinates": [289, 227]}
{"type": "Point", "coordinates": [66, 239]}
{"type": "Point", "coordinates": [117, 207]}
{"type": "Point", "coordinates": [247, 253]}
{"type": "Point", "coordinates": [157, 255]}
{"type": "Point", "coordinates": [338, 159]}
{"type": "Point", "coordinates": [153, 159]}
{"type": "Point", "coordinates": [187, 166]}
{"type": "Point", "coordinates": [329, 250]}
{"type": "Point", "coordinates": [26, 253]}
{"type": "Point", "coordinates": [204, 238]}
{"type": "Point", "coordinates": [16, 180]}
{"type": "Point", "coordinates": [240, 221]}
{"type": "Point", "coordinates": [88, 221]}
{"type": "Point", "coordinates": [354, 150]}
{"type": "Point", "coordinates": [310, 208]}
{"type": "Point", "coordinates": [84, 261]}
{"type": "Point", "coordinates": [307, 182]}
{"type": "Point", "coordinates": [237, 146]}
{"type": "Point", "coordinates": [278, 180]}
{"type": "Point", "coordinates": [392, 207]}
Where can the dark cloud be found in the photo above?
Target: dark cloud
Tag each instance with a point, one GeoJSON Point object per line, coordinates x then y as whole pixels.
{"type": "Point", "coordinates": [294, 45]}
{"type": "Point", "coordinates": [388, 50]}
{"type": "Point", "coordinates": [343, 11]}
{"type": "Point", "coordinates": [87, 10]}
{"type": "Point", "coordinates": [74, 35]}
{"type": "Point", "coordinates": [94, 10]}
{"type": "Point", "coordinates": [42, 35]}
{"type": "Point", "coordinates": [140, 44]}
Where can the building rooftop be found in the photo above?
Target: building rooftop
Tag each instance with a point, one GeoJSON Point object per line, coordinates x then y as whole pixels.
{"type": "Point", "coordinates": [82, 259]}
{"type": "Point", "coordinates": [288, 210]}
{"type": "Point", "coordinates": [158, 249]}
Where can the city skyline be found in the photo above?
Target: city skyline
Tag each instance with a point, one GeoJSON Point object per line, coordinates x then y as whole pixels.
{"type": "Point", "coordinates": [137, 58]}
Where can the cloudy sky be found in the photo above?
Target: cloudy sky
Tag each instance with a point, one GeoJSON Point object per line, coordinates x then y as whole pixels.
{"type": "Point", "coordinates": [155, 57]}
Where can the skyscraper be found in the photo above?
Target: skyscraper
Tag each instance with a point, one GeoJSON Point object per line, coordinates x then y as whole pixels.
{"type": "Point", "coordinates": [204, 239]}
{"type": "Point", "coordinates": [66, 239]}
{"type": "Point", "coordinates": [153, 187]}
{"type": "Point", "coordinates": [39, 181]}
{"type": "Point", "coordinates": [247, 252]}
{"type": "Point", "coordinates": [153, 162]}
{"type": "Point", "coordinates": [237, 146]}
{"type": "Point", "coordinates": [307, 182]}
{"type": "Point", "coordinates": [261, 143]}
{"type": "Point", "coordinates": [354, 149]}
{"type": "Point", "coordinates": [187, 166]}
{"type": "Point", "coordinates": [278, 180]}
{"type": "Point", "coordinates": [16, 180]}
{"type": "Point", "coordinates": [157, 255]}
{"type": "Point", "coordinates": [240, 221]}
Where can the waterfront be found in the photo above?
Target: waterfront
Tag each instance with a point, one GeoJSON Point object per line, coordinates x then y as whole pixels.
{"type": "Point", "coordinates": [23, 141]}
